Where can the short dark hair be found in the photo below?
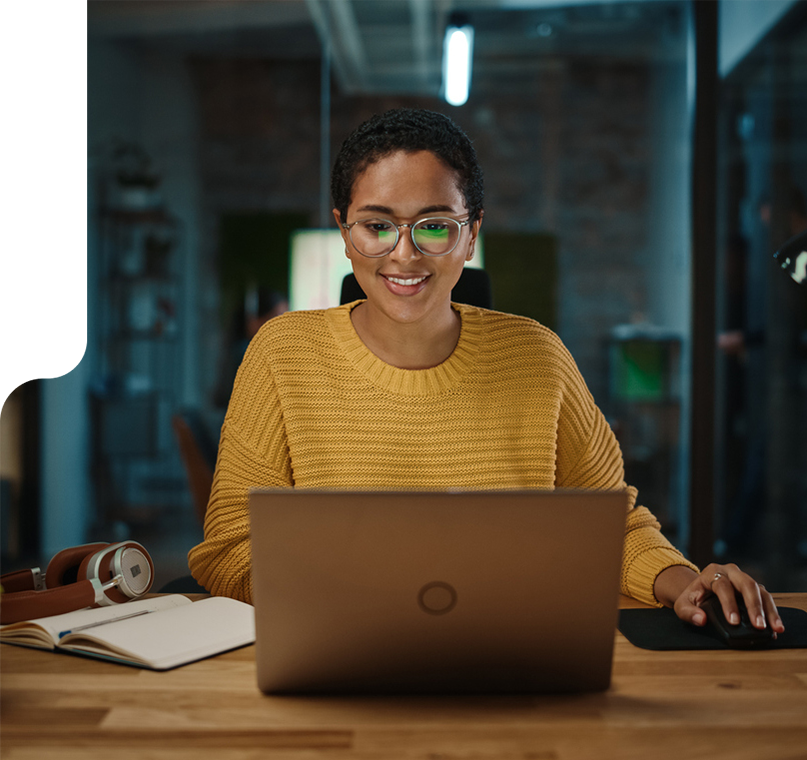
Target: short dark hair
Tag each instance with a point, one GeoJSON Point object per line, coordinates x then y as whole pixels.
{"type": "Point", "coordinates": [409, 130]}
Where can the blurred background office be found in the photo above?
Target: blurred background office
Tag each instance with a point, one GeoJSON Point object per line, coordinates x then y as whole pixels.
{"type": "Point", "coordinates": [643, 161]}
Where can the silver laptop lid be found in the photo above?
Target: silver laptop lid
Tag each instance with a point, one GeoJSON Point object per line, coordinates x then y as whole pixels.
{"type": "Point", "coordinates": [436, 592]}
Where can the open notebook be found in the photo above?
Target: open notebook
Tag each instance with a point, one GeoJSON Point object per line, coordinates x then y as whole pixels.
{"type": "Point", "coordinates": [159, 632]}
{"type": "Point", "coordinates": [436, 592]}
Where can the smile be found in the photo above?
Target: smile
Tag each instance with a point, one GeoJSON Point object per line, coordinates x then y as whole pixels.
{"type": "Point", "coordinates": [407, 280]}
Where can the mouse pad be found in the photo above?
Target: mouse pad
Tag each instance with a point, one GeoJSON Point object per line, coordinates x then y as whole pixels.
{"type": "Point", "coordinates": [660, 629]}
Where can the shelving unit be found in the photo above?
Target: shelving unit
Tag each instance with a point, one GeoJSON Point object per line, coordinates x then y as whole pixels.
{"type": "Point", "coordinates": [138, 473]}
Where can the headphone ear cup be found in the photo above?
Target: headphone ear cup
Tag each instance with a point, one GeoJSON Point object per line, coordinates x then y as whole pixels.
{"type": "Point", "coordinates": [137, 568]}
{"type": "Point", "coordinates": [129, 560]}
{"type": "Point", "coordinates": [98, 565]}
{"type": "Point", "coordinates": [65, 567]}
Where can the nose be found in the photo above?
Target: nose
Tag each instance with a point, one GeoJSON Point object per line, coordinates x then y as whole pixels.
{"type": "Point", "coordinates": [405, 248]}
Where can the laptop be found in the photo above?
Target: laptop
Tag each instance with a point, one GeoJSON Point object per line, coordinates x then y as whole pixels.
{"type": "Point", "coordinates": [435, 592]}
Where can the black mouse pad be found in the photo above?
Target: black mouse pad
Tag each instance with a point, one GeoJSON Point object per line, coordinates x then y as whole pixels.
{"type": "Point", "coordinates": [660, 629]}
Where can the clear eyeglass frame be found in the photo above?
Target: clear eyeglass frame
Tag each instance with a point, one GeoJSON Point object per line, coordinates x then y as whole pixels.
{"type": "Point", "coordinates": [411, 226]}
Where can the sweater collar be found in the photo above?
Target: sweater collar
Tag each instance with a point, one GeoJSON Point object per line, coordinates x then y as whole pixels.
{"type": "Point", "coordinates": [409, 382]}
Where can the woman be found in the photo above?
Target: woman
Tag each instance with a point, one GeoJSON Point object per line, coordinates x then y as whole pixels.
{"type": "Point", "coordinates": [407, 390]}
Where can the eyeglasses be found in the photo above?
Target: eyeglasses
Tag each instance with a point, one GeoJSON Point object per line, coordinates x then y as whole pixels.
{"type": "Point", "coordinates": [434, 236]}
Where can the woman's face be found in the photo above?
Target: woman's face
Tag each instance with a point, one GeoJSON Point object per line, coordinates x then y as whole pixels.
{"type": "Point", "coordinates": [407, 286]}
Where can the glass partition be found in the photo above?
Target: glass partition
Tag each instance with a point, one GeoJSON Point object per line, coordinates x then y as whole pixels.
{"type": "Point", "coordinates": [220, 124]}
{"type": "Point", "coordinates": [762, 323]}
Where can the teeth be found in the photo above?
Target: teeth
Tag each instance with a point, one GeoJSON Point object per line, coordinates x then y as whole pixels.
{"type": "Point", "coordinates": [401, 281]}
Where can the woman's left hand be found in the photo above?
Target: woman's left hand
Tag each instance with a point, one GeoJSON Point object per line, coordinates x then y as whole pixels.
{"type": "Point", "coordinates": [724, 581]}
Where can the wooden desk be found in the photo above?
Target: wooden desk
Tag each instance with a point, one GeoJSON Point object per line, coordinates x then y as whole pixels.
{"type": "Point", "coordinates": [748, 705]}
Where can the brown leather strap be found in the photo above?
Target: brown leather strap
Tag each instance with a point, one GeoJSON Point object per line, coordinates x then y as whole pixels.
{"type": "Point", "coordinates": [69, 559]}
{"type": "Point", "coordinates": [21, 580]}
{"type": "Point", "coordinates": [27, 605]}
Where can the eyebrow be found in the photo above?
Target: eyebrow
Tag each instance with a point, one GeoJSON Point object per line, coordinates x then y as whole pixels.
{"type": "Point", "coordinates": [426, 210]}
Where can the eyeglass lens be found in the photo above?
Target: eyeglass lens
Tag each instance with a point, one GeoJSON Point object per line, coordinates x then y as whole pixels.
{"type": "Point", "coordinates": [377, 237]}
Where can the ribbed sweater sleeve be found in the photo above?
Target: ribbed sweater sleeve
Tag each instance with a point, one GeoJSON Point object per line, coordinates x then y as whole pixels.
{"type": "Point", "coordinates": [252, 453]}
{"type": "Point", "coordinates": [589, 456]}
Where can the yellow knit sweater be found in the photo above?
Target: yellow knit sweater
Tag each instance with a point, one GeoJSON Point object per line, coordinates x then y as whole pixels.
{"type": "Point", "coordinates": [312, 407]}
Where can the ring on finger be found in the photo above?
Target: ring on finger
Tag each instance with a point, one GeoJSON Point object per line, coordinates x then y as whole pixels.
{"type": "Point", "coordinates": [718, 576]}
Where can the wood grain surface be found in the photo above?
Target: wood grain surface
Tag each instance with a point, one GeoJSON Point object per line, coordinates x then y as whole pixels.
{"type": "Point", "coordinates": [738, 705]}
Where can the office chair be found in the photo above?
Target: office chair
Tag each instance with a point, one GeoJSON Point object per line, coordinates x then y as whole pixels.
{"type": "Point", "coordinates": [473, 288]}
{"type": "Point", "coordinates": [198, 456]}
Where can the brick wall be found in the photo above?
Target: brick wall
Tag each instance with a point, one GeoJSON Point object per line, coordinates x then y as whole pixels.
{"type": "Point", "coordinates": [567, 154]}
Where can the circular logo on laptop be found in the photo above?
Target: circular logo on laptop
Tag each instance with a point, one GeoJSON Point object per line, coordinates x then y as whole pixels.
{"type": "Point", "coordinates": [437, 598]}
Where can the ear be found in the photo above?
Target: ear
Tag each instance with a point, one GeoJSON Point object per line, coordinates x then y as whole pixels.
{"type": "Point", "coordinates": [475, 227]}
{"type": "Point", "coordinates": [342, 231]}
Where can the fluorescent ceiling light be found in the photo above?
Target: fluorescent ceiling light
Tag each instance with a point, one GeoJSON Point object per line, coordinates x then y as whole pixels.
{"type": "Point", "coordinates": [458, 47]}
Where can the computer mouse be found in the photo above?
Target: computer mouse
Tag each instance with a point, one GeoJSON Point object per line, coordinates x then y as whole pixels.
{"type": "Point", "coordinates": [740, 636]}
